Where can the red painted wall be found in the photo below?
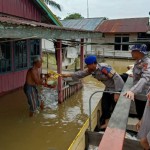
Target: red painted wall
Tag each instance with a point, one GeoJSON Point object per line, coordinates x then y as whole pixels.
{"type": "Point", "coordinates": [11, 81]}
{"type": "Point", "coordinates": [20, 8]}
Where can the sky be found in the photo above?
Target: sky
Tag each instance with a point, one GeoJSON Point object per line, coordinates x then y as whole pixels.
{"type": "Point", "coordinates": [112, 9]}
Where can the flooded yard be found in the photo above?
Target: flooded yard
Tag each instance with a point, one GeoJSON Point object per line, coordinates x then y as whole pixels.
{"type": "Point", "coordinates": [56, 126]}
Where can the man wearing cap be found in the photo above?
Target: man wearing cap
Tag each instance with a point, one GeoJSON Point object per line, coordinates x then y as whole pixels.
{"type": "Point", "coordinates": [141, 78]}
{"type": "Point", "coordinates": [111, 79]}
{"type": "Point", "coordinates": [32, 80]}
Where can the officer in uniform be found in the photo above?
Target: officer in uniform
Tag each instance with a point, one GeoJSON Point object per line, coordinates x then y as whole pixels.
{"type": "Point", "coordinates": [110, 78]}
{"type": "Point", "coordinates": [141, 77]}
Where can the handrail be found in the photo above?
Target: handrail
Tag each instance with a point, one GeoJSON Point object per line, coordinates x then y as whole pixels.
{"type": "Point", "coordinates": [90, 102]}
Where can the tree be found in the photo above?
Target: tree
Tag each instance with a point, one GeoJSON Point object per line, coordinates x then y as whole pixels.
{"type": "Point", "coordinates": [74, 16]}
{"type": "Point", "coordinates": [58, 17]}
{"type": "Point", "coordinates": [53, 4]}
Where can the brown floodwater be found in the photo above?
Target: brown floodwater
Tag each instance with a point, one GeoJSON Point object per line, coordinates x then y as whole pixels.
{"type": "Point", "coordinates": [56, 126]}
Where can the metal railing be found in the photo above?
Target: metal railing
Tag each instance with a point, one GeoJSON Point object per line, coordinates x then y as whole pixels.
{"type": "Point", "coordinates": [90, 103]}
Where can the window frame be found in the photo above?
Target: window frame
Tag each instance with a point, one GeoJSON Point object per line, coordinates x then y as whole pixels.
{"type": "Point", "coordinates": [121, 36]}
{"type": "Point", "coordinates": [22, 68]}
{"type": "Point", "coordinates": [10, 59]}
{"type": "Point", "coordinates": [37, 41]}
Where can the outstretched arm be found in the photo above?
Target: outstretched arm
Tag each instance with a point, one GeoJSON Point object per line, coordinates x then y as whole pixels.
{"type": "Point", "coordinates": [78, 74]}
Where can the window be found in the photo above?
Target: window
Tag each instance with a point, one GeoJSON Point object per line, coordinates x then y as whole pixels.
{"type": "Point", "coordinates": [125, 47]}
{"type": "Point", "coordinates": [20, 55]}
{"type": "Point", "coordinates": [5, 57]}
{"type": "Point", "coordinates": [119, 40]}
{"type": "Point", "coordinates": [34, 50]}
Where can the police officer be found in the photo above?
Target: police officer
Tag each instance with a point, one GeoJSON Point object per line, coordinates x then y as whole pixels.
{"type": "Point", "coordinates": [111, 79]}
{"type": "Point", "coordinates": [141, 77]}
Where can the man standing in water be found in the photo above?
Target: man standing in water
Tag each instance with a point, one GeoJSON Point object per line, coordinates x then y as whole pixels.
{"type": "Point", "coordinates": [141, 78]}
{"type": "Point", "coordinates": [32, 80]}
{"type": "Point", "coordinates": [112, 81]}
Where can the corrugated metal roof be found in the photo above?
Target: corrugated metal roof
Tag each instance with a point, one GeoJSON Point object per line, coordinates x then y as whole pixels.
{"type": "Point", "coordinates": [17, 21]}
{"type": "Point", "coordinates": [128, 25]}
{"type": "Point", "coordinates": [85, 23]}
{"type": "Point", "coordinates": [18, 28]}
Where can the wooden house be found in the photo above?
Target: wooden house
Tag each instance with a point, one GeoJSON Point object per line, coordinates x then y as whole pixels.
{"type": "Point", "coordinates": [16, 55]}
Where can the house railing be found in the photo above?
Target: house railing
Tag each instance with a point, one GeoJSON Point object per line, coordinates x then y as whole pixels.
{"type": "Point", "coordinates": [69, 90]}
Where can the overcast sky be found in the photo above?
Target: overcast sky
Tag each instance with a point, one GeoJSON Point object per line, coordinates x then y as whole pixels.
{"type": "Point", "coordinates": [111, 9]}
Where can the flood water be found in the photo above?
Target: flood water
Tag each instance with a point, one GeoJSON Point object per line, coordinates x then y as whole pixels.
{"type": "Point", "coordinates": [56, 126]}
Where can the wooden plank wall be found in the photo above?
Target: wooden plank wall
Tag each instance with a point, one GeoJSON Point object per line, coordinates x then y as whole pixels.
{"type": "Point", "coordinates": [12, 81]}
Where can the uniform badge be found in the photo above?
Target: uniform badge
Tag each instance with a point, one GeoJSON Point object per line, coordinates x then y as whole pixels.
{"type": "Point", "coordinates": [145, 66]}
{"type": "Point", "coordinates": [108, 71]}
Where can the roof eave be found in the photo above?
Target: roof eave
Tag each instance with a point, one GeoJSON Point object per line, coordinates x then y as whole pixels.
{"type": "Point", "coordinates": [49, 13]}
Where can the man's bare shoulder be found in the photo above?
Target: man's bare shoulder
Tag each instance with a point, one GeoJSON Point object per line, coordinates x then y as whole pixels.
{"type": "Point", "coordinates": [30, 70]}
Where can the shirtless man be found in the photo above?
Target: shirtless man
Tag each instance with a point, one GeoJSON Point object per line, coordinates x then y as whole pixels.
{"type": "Point", "coordinates": [32, 80]}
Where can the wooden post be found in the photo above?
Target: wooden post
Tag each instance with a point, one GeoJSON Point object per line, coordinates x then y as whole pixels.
{"type": "Point", "coordinates": [82, 55]}
{"type": "Point", "coordinates": [59, 70]}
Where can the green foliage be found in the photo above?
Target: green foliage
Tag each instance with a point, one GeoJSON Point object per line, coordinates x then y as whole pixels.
{"type": "Point", "coordinates": [57, 17]}
{"type": "Point", "coordinates": [74, 16]}
{"type": "Point", "coordinates": [53, 4]}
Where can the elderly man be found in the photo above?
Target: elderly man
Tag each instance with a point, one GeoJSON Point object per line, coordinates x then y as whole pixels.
{"type": "Point", "coordinates": [110, 78]}
{"type": "Point", "coordinates": [32, 80]}
{"type": "Point", "coordinates": [141, 77]}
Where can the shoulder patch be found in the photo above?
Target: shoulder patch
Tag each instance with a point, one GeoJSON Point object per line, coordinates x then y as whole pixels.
{"type": "Point", "coordinates": [108, 71]}
{"type": "Point", "coordinates": [145, 66]}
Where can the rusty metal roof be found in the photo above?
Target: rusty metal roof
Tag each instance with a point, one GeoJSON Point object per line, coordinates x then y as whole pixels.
{"type": "Point", "coordinates": [19, 28]}
{"type": "Point", "coordinates": [85, 23]}
{"type": "Point", "coordinates": [127, 25]}
{"type": "Point", "coordinates": [18, 21]}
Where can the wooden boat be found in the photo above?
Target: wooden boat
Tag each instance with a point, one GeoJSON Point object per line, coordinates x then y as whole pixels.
{"type": "Point", "coordinates": [114, 136]}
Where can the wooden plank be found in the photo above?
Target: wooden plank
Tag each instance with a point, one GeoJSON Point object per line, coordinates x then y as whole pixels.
{"type": "Point", "coordinates": [113, 139]}
{"type": "Point", "coordinates": [115, 132]}
{"type": "Point", "coordinates": [22, 31]}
